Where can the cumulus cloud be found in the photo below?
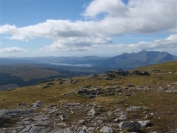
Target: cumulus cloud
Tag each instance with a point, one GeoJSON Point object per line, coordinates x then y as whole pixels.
{"type": "Point", "coordinates": [117, 18]}
{"type": "Point", "coordinates": [8, 29]}
{"type": "Point", "coordinates": [114, 7]}
{"type": "Point", "coordinates": [12, 50]}
{"type": "Point", "coordinates": [76, 44]}
{"type": "Point", "coordinates": [138, 16]}
{"type": "Point", "coordinates": [52, 29]}
{"type": "Point", "coordinates": [170, 43]}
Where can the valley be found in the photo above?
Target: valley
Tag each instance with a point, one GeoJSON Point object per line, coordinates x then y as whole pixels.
{"type": "Point", "coordinates": [31, 70]}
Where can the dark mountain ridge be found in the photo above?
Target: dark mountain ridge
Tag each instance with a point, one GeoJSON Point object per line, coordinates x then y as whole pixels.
{"type": "Point", "coordinates": [142, 58]}
{"type": "Point", "coordinates": [127, 60]}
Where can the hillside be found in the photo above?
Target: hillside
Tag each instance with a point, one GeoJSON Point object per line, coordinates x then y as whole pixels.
{"type": "Point", "coordinates": [142, 100]}
{"type": "Point", "coordinates": [24, 74]}
{"type": "Point", "coordinates": [30, 74]}
{"type": "Point", "coordinates": [27, 72]}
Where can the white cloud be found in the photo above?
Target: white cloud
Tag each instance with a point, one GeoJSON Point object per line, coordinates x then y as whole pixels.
{"type": "Point", "coordinates": [12, 50]}
{"type": "Point", "coordinates": [52, 29]}
{"type": "Point", "coordinates": [76, 44]}
{"type": "Point", "coordinates": [138, 16]}
{"type": "Point", "coordinates": [8, 29]}
{"type": "Point", "coordinates": [168, 44]}
{"type": "Point", "coordinates": [114, 7]}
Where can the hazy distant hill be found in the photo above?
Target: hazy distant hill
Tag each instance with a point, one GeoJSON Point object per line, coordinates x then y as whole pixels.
{"type": "Point", "coordinates": [10, 60]}
{"type": "Point", "coordinates": [70, 60]}
{"type": "Point", "coordinates": [31, 70]}
{"type": "Point", "coordinates": [124, 61]}
{"type": "Point", "coordinates": [30, 74]}
{"type": "Point", "coordinates": [132, 60]}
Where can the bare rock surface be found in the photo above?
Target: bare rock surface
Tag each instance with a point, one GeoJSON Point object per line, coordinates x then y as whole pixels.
{"type": "Point", "coordinates": [57, 119]}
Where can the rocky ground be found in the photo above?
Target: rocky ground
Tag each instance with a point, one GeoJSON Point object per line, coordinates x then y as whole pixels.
{"type": "Point", "coordinates": [109, 105]}
{"type": "Point", "coordinates": [90, 118]}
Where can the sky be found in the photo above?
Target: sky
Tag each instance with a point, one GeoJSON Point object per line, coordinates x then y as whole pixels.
{"type": "Point", "coordinates": [32, 28]}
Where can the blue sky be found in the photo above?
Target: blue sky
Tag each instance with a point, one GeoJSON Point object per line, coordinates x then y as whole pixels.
{"type": "Point", "coordinates": [86, 27]}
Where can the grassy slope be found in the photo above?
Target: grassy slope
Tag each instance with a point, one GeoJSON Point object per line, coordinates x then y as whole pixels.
{"type": "Point", "coordinates": [164, 104]}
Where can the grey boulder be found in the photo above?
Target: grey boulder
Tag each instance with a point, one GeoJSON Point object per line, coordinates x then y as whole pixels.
{"type": "Point", "coordinates": [130, 125]}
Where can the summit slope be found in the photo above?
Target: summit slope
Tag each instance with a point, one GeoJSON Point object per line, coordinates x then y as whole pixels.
{"type": "Point", "coordinates": [142, 100]}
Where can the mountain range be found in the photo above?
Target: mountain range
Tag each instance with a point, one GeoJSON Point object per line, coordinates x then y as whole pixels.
{"type": "Point", "coordinates": [142, 58]}
{"type": "Point", "coordinates": [123, 61]}
{"type": "Point", "coordinates": [31, 70]}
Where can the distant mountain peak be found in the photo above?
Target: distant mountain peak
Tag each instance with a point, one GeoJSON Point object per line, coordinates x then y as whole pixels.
{"type": "Point", "coordinates": [143, 51]}
{"type": "Point", "coordinates": [142, 58]}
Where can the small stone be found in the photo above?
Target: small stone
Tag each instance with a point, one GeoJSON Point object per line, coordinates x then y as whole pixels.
{"type": "Point", "coordinates": [133, 108]}
{"type": "Point", "coordinates": [81, 122]}
{"type": "Point", "coordinates": [53, 111]}
{"type": "Point", "coordinates": [145, 123]}
{"type": "Point", "coordinates": [106, 129]}
{"type": "Point", "coordinates": [37, 104]}
{"type": "Point", "coordinates": [92, 112]}
{"type": "Point", "coordinates": [61, 124]}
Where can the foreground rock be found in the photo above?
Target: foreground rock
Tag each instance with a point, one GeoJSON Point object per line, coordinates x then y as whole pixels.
{"type": "Point", "coordinates": [88, 118]}
{"type": "Point", "coordinates": [130, 126]}
{"type": "Point", "coordinates": [13, 113]}
{"type": "Point", "coordinates": [145, 123]}
{"type": "Point", "coordinates": [143, 73]}
{"type": "Point", "coordinates": [36, 105]}
{"type": "Point", "coordinates": [90, 91]}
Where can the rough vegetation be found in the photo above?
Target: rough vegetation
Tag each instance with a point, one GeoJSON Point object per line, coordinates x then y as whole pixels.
{"type": "Point", "coordinates": [142, 100]}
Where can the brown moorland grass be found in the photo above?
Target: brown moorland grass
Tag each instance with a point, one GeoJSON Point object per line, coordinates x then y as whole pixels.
{"type": "Point", "coordinates": [162, 104]}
